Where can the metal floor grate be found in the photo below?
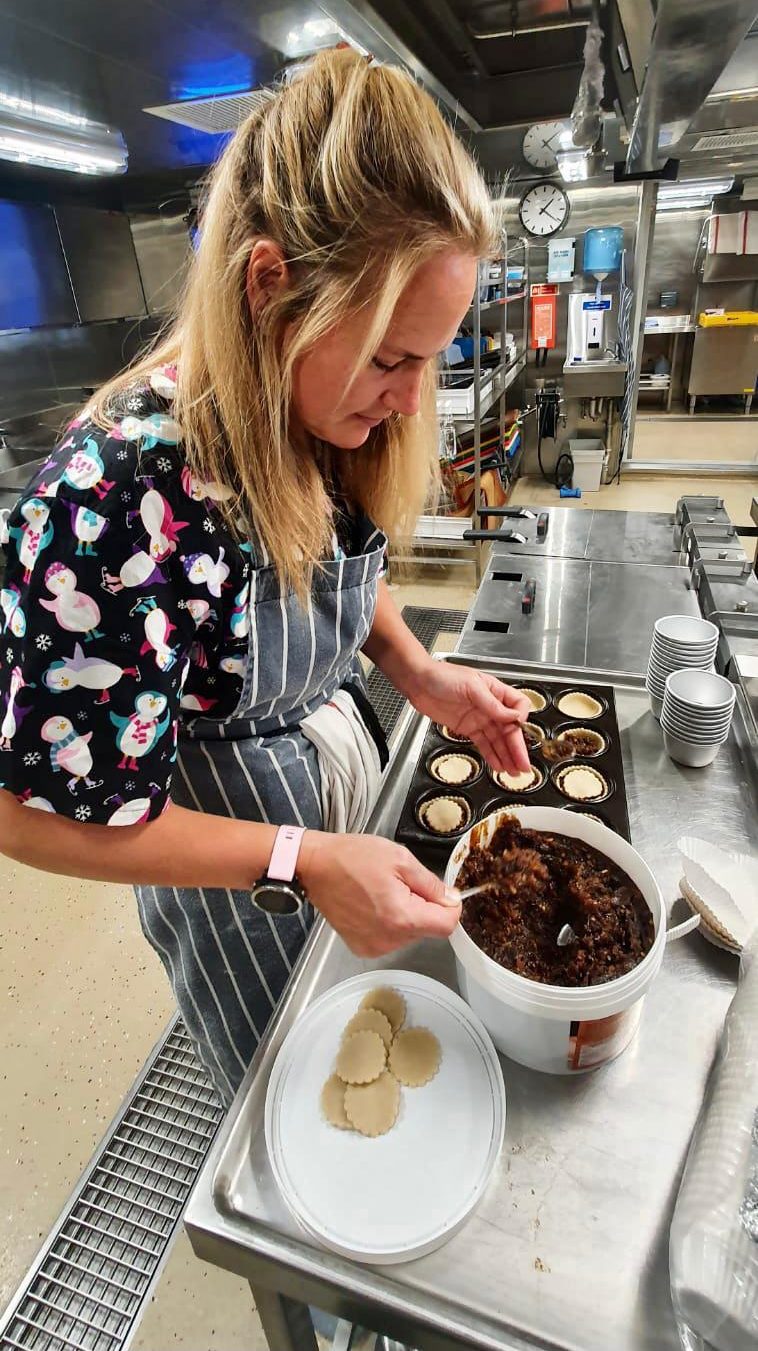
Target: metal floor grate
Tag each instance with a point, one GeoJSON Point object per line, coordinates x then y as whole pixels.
{"type": "Point", "coordinates": [91, 1280]}
{"type": "Point", "coordinates": [89, 1284]}
{"type": "Point", "coordinates": [426, 625]}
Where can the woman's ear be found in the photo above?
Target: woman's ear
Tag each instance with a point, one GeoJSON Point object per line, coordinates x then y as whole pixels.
{"type": "Point", "coordinates": [267, 273]}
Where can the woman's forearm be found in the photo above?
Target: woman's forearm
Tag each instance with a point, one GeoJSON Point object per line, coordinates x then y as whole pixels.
{"type": "Point", "coordinates": [393, 648]}
{"type": "Point", "coordinates": [180, 849]}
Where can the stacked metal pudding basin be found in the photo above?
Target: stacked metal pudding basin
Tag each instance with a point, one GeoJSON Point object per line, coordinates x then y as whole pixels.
{"type": "Point", "coordinates": [696, 715]}
{"type": "Point", "coordinates": [680, 642]}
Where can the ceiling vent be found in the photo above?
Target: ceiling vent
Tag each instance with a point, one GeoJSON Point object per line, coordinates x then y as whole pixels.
{"type": "Point", "coordinates": [727, 140]}
{"type": "Point", "coordinates": [216, 113]}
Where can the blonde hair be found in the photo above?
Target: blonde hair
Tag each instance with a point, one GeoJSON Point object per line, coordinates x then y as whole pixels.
{"type": "Point", "coordinates": [352, 171]}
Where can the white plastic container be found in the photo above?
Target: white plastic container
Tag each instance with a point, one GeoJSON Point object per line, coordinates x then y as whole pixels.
{"type": "Point", "coordinates": [589, 461]}
{"type": "Point", "coordinates": [553, 1028]}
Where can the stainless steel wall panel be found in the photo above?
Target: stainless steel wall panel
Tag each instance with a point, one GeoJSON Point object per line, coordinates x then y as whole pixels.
{"type": "Point", "coordinates": [101, 262]}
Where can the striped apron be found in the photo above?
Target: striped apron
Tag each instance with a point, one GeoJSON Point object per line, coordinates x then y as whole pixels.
{"type": "Point", "coordinates": [228, 963]}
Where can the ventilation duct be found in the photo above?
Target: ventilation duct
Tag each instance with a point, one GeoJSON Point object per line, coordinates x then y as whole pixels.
{"type": "Point", "coordinates": [215, 113]}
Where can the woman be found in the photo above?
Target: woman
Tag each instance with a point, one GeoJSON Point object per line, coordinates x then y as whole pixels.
{"type": "Point", "coordinates": [194, 571]}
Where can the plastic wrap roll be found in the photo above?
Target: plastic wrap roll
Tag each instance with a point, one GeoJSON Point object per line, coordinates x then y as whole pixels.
{"type": "Point", "coordinates": [714, 1235]}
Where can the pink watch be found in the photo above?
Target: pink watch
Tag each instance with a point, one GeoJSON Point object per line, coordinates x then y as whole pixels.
{"type": "Point", "coordinates": [278, 891]}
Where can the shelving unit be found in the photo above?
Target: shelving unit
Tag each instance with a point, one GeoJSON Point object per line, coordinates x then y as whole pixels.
{"type": "Point", "coordinates": [444, 532]}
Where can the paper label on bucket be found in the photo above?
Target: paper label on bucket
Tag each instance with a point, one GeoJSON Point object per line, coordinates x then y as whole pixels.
{"type": "Point", "coordinates": [597, 1040]}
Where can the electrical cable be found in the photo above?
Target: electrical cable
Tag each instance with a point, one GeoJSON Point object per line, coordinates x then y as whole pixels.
{"type": "Point", "coordinates": [565, 475]}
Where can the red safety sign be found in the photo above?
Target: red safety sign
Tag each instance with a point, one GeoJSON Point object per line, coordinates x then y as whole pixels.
{"type": "Point", "coordinates": [542, 315]}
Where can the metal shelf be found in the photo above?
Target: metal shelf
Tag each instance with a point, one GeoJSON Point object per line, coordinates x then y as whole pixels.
{"type": "Point", "coordinates": [488, 389]}
{"type": "Point", "coordinates": [491, 309]}
{"type": "Point", "coordinates": [502, 377]}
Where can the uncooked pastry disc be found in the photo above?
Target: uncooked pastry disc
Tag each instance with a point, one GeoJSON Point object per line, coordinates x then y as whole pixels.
{"type": "Point", "coordinates": [387, 1001]}
{"type": "Point", "coordinates": [371, 1020]}
{"type": "Point", "coordinates": [361, 1058]}
{"type": "Point", "coordinates": [333, 1102]}
{"type": "Point", "coordinates": [415, 1056]}
{"type": "Point", "coordinates": [372, 1108]}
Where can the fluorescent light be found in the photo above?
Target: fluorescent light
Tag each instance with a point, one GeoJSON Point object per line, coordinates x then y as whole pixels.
{"type": "Point", "coordinates": [53, 156]}
{"type": "Point", "coordinates": [37, 133]}
{"type": "Point", "coordinates": [43, 112]}
{"type": "Point", "coordinates": [23, 142]}
{"type": "Point", "coordinates": [311, 36]}
{"type": "Point", "coordinates": [692, 192]}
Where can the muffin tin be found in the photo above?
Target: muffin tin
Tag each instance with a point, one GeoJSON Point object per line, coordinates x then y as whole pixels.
{"type": "Point", "coordinates": [484, 795]}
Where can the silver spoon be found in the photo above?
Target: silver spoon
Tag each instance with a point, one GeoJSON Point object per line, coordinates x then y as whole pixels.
{"type": "Point", "coordinates": [565, 935]}
{"type": "Point", "coordinates": [469, 890]}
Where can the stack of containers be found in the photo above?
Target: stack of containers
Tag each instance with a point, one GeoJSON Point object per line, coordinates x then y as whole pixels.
{"type": "Point", "coordinates": [680, 642]}
{"type": "Point", "coordinates": [696, 716]}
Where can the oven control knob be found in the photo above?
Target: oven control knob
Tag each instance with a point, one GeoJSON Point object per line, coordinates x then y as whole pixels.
{"type": "Point", "coordinates": [542, 521]}
{"type": "Point", "coordinates": [528, 596]}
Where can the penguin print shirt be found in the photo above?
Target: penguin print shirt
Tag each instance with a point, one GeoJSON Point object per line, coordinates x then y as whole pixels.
{"type": "Point", "coordinates": [124, 610]}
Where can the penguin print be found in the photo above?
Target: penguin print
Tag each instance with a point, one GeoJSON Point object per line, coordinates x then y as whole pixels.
{"type": "Point", "coordinates": [73, 610]}
{"type": "Point", "coordinates": [240, 620]}
{"type": "Point", "coordinates": [199, 491]}
{"type": "Point", "coordinates": [202, 571]}
{"type": "Point", "coordinates": [200, 610]}
{"type": "Point", "coordinates": [42, 804]}
{"type": "Point", "coordinates": [34, 535]}
{"type": "Point", "coordinates": [10, 604]}
{"type": "Point", "coordinates": [87, 526]}
{"type": "Point", "coordinates": [139, 734]}
{"type": "Point", "coordinates": [14, 714]}
{"type": "Point", "coordinates": [150, 431]}
{"type": "Point", "coordinates": [158, 629]}
{"type": "Point", "coordinates": [134, 811]}
{"type": "Point", "coordinates": [235, 666]}
{"type": "Point", "coordinates": [69, 753]}
{"type": "Point", "coordinates": [85, 470]}
{"type": "Point", "coordinates": [196, 703]}
{"type": "Point", "coordinates": [86, 673]}
{"type": "Point", "coordinates": [162, 529]}
{"type": "Point", "coordinates": [136, 598]}
{"type": "Point", "coordinates": [139, 570]}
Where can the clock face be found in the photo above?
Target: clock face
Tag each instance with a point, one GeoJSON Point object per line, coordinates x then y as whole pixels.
{"type": "Point", "coordinates": [544, 209]}
{"type": "Point", "coordinates": [542, 142]}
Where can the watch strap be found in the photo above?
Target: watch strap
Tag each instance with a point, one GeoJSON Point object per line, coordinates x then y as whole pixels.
{"type": "Point", "coordinates": [284, 854]}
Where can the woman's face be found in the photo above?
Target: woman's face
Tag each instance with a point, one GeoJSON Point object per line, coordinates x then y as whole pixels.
{"type": "Point", "coordinates": [424, 323]}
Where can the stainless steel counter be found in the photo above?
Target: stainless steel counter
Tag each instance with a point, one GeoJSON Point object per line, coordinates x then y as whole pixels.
{"type": "Point", "coordinates": [604, 536]}
{"type": "Point", "coordinates": [586, 613]}
{"type": "Point", "coordinates": [568, 1249]}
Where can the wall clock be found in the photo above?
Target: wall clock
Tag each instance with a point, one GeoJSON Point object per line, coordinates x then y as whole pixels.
{"type": "Point", "coordinates": [544, 209]}
{"type": "Point", "coordinates": [542, 142]}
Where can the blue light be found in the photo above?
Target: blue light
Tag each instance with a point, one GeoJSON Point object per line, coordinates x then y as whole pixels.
{"type": "Point", "coordinates": [233, 74]}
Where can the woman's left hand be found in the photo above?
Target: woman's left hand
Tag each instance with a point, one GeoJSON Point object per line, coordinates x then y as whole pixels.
{"type": "Point", "coordinates": [478, 707]}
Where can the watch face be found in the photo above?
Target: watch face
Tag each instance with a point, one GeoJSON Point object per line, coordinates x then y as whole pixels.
{"type": "Point", "coordinates": [544, 209]}
{"type": "Point", "coordinates": [276, 898]}
{"type": "Point", "coordinates": [542, 142]}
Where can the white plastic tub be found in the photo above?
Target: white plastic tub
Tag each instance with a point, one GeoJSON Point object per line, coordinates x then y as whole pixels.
{"type": "Point", "coordinates": [549, 1027]}
{"type": "Point", "coordinates": [589, 462]}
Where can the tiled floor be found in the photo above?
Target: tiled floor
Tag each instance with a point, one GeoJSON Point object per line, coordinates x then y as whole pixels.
{"type": "Point", "coordinates": [685, 438]}
{"type": "Point", "coordinates": [84, 998]}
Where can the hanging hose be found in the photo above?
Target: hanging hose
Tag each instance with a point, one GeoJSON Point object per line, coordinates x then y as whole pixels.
{"type": "Point", "coordinates": [547, 426]}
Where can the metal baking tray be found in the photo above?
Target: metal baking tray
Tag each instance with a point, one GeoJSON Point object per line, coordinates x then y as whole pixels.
{"type": "Point", "coordinates": [483, 795]}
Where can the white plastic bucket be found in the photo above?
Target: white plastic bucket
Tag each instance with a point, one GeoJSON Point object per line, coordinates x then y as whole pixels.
{"type": "Point", "coordinates": [549, 1027]}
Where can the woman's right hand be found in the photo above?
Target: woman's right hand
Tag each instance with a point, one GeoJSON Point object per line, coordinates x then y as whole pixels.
{"type": "Point", "coordinates": [374, 892]}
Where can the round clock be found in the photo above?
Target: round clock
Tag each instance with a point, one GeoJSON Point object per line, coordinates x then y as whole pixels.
{"type": "Point", "coordinates": [542, 142]}
{"type": "Point", "coordinates": [544, 209]}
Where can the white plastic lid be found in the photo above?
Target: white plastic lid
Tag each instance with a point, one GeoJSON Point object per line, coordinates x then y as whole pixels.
{"type": "Point", "coordinates": [402, 1194]}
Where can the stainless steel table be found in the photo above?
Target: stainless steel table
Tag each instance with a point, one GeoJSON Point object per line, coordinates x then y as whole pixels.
{"type": "Point", "coordinates": [585, 613]}
{"type": "Point", "coordinates": [604, 536]}
{"type": "Point", "coordinates": [568, 1249]}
